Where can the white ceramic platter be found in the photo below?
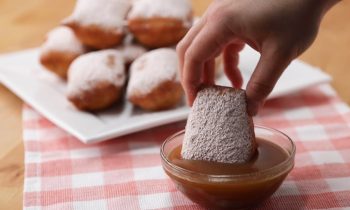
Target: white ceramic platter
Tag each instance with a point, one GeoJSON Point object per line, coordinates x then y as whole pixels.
{"type": "Point", "coordinates": [21, 73]}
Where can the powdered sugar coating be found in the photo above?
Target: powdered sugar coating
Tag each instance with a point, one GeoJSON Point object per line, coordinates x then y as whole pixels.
{"type": "Point", "coordinates": [218, 128]}
{"type": "Point", "coordinates": [152, 69]}
{"type": "Point", "coordinates": [62, 39]}
{"type": "Point", "coordinates": [109, 14]}
{"type": "Point", "coordinates": [130, 50]}
{"type": "Point", "coordinates": [178, 9]}
{"type": "Point", "coordinates": [100, 66]}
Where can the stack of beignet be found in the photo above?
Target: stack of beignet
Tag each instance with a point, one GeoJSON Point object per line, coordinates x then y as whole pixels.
{"type": "Point", "coordinates": [103, 43]}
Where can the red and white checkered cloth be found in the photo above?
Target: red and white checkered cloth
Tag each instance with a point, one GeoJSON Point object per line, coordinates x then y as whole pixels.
{"type": "Point", "coordinates": [126, 173]}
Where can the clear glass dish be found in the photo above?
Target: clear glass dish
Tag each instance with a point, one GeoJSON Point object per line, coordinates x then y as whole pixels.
{"type": "Point", "coordinates": [230, 191]}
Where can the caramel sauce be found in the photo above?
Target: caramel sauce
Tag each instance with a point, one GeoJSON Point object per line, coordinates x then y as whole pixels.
{"type": "Point", "coordinates": [231, 194]}
{"type": "Point", "coordinates": [268, 155]}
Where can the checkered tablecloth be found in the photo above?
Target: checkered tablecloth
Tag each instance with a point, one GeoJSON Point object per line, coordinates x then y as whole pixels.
{"type": "Point", "coordinates": [126, 173]}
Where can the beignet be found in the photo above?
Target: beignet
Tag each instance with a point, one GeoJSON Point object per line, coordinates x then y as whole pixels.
{"type": "Point", "coordinates": [219, 128]}
{"type": "Point", "coordinates": [99, 24]}
{"type": "Point", "coordinates": [154, 82]}
{"type": "Point", "coordinates": [59, 50]}
{"type": "Point", "coordinates": [96, 80]}
{"type": "Point", "coordinates": [160, 23]}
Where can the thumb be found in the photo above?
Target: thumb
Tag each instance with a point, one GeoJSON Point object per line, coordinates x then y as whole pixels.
{"type": "Point", "coordinates": [270, 67]}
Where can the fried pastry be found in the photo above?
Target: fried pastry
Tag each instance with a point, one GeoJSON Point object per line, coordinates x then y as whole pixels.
{"type": "Point", "coordinates": [154, 82]}
{"type": "Point", "coordinates": [99, 24]}
{"type": "Point", "coordinates": [59, 50]}
{"type": "Point", "coordinates": [219, 128]}
{"type": "Point", "coordinates": [96, 80]}
{"type": "Point", "coordinates": [160, 23]}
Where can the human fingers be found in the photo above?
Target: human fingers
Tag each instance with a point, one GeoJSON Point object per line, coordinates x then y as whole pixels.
{"type": "Point", "coordinates": [231, 59]}
{"type": "Point", "coordinates": [186, 41]}
{"type": "Point", "coordinates": [267, 72]}
{"type": "Point", "coordinates": [208, 74]}
{"type": "Point", "coordinates": [209, 41]}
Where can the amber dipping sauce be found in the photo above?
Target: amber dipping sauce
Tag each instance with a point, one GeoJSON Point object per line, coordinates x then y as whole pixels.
{"type": "Point", "coordinates": [230, 186]}
{"type": "Point", "coordinates": [268, 155]}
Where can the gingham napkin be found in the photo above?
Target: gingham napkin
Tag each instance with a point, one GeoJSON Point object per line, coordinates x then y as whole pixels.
{"type": "Point", "coordinates": [126, 173]}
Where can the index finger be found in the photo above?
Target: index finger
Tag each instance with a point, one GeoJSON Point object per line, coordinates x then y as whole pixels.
{"type": "Point", "coordinates": [206, 45]}
{"type": "Point", "coordinates": [186, 42]}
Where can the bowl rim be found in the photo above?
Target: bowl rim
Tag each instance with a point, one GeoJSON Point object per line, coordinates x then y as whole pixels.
{"type": "Point", "coordinates": [268, 173]}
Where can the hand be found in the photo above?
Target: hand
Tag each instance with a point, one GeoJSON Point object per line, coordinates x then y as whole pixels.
{"type": "Point", "coordinates": [279, 30]}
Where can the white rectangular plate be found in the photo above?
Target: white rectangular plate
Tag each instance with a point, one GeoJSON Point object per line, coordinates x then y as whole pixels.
{"type": "Point", "coordinates": [21, 73]}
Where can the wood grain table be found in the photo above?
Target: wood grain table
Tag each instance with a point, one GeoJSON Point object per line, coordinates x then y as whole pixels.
{"type": "Point", "coordinates": [24, 24]}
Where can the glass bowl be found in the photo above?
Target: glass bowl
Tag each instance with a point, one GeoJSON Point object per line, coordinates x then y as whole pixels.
{"type": "Point", "coordinates": [230, 191]}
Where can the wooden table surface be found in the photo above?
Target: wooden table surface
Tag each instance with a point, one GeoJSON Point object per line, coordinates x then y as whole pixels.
{"type": "Point", "coordinates": [24, 24]}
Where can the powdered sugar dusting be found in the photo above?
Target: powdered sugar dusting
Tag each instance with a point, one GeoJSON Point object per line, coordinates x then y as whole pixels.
{"type": "Point", "coordinates": [62, 39]}
{"type": "Point", "coordinates": [130, 50]}
{"type": "Point", "coordinates": [218, 128]}
{"type": "Point", "coordinates": [104, 13]}
{"type": "Point", "coordinates": [151, 69]}
{"type": "Point", "coordinates": [94, 67]}
{"type": "Point", "coordinates": [179, 9]}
